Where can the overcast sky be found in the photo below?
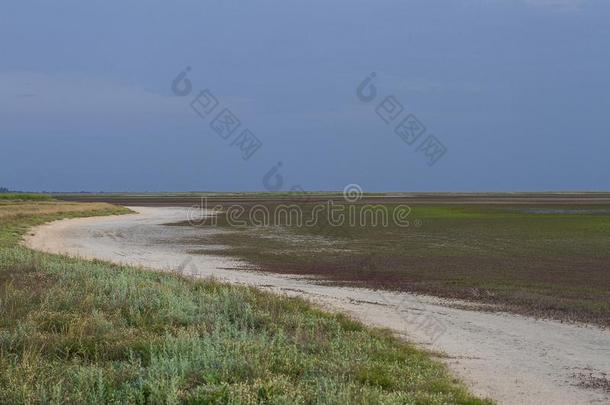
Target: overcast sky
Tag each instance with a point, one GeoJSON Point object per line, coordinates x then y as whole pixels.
{"type": "Point", "coordinates": [517, 93]}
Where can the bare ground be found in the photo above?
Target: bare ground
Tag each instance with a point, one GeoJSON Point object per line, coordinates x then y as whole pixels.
{"type": "Point", "coordinates": [507, 357]}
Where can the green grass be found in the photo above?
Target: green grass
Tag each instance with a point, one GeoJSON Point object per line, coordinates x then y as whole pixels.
{"type": "Point", "coordinates": [91, 332]}
{"type": "Point", "coordinates": [25, 197]}
{"type": "Point", "coordinates": [543, 261]}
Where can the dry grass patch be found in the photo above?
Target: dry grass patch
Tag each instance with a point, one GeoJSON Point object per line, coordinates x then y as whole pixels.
{"type": "Point", "coordinates": [11, 209]}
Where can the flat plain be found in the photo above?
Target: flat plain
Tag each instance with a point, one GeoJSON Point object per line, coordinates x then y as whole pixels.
{"type": "Point", "coordinates": [540, 254]}
{"type": "Point", "coordinates": [78, 331]}
{"type": "Point", "coordinates": [500, 355]}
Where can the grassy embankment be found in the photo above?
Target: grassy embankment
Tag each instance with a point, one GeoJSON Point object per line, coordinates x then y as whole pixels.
{"type": "Point", "coordinates": [92, 332]}
{"type": "Point", "coordinates": [548, 261]}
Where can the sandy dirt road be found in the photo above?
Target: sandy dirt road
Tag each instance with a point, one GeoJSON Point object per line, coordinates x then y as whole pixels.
{"type": "Point", "coordinates": [510, 358]}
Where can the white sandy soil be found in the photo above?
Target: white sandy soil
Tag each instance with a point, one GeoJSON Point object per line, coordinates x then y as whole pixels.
{"type": "Point", "coordinates": [509, 358]}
